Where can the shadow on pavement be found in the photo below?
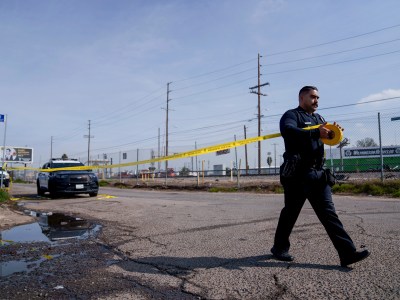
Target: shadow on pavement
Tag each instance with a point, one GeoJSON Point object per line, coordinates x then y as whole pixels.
{"type": "Point", "coordinates": [184, 266]}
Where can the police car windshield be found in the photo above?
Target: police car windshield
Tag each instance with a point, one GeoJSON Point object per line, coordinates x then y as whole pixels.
{"type": "Point", "coordinates": [66, 165]}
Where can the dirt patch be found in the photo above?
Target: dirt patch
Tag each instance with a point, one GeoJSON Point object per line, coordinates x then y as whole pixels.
{"type": "Point", "coordinates": [10, 217]}
{"type": "Point", "coordinates": [257, 186]}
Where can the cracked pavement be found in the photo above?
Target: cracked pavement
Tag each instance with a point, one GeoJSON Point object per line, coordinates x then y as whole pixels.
{"type": "Point", "coordinates": [199, 245]}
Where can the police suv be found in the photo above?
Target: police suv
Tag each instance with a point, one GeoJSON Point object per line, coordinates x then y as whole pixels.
{"type": "Point", "coordinates": [57, 182]}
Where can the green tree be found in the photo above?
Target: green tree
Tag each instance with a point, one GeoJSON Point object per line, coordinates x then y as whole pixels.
{"type": "Point", "coordinates": [184, 171]}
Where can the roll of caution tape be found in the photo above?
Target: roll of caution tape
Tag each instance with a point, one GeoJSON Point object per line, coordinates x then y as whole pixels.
{"type": "Point", "coordinates": [337, 135]}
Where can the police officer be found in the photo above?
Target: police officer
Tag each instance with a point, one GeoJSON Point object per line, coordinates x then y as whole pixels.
{"type": "Point", "coordinates": [303, 177]}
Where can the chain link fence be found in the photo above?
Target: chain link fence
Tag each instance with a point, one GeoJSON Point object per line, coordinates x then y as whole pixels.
{"type": "Point", "coordinates": [370, 148]}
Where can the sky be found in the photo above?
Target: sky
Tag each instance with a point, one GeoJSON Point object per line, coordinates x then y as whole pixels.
{"type": "Point", "coordinates": [67, 63]}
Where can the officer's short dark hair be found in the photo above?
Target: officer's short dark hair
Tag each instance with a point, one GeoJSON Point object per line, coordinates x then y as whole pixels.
{"type": "Point", "coordinates": [307, 88]}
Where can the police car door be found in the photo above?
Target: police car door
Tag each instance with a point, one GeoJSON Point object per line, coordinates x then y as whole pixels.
{"type": "Point", "coordinates": [43, 177]}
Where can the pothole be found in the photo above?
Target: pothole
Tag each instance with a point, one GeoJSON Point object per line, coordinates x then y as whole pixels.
{"type": "Point", "coordinates": [50, 228]}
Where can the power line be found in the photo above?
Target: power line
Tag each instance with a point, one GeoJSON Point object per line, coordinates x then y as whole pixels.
{"type": "Point", "coordinates": [109, 116]}
{"type": "Point", "coordinates": [334, 41]}
{"type": "Point", "coordinates": [345, 105]}
{"type": "Point", "coordinates": [215, 79]}
{"type": "Point", "coordinates": [360, 103]}
{"type": "Point", "coordinates": [212, 89]}
{"type": "Point", "coordinates": [289, 51]}
{"type": "Point", "coordinates": [120, 119]}
{"type": "Point", "coordinates": [215, 71]}
{"type": "Point", "coordinates": [219, 115]}
{"type": "Point", "coordinates": [292, 70]}
{"type": "Point", "coordinates": [120, 146]}
{"type": "Point", "coordinates": [123, 108]}
{"type": "Point", "coordinates": [113, 119]}
{"type": "Point", "coordinates": [334, 63]}
{"type": "Point", "coordinates": [332, 53]}
{"type": "Point", "coordinates": [208, 135]}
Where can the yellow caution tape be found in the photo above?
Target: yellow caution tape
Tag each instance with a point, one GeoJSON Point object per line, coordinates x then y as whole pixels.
{"type": "Point", "coordinates": [338, 135]}
{"type": "Point", "coordinates": [104, 196]}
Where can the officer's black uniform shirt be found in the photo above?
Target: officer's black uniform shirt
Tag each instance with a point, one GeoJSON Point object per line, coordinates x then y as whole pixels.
{"type": "Point", "coordinates": [298, 141]}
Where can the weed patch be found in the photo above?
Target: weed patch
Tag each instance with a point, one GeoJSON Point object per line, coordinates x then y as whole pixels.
{"type": "Point", "coordinates": [223, 189]}
{"type": "Point", "coordinates": [4, 195]}
{"type": "Point", "coordinates": [374, 188]}
{"type": "Point", "coordinates": [104, 183]}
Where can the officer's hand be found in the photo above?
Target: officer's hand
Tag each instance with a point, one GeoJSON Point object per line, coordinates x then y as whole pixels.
{"type": "Point", "coordinates": [324, 133]}
{"type": "Point", "coordinates": [338, 126]}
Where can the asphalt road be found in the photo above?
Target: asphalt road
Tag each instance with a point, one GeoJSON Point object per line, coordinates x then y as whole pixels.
{"type": "Point", "coordinates": [199, 245]}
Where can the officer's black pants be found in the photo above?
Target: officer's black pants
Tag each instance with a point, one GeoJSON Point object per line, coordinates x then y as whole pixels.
{"type": "Point", "coordinates": [311, 187]}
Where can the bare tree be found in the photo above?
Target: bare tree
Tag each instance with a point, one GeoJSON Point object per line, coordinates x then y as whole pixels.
{"type": "Point", "coordinates": [367, 142]}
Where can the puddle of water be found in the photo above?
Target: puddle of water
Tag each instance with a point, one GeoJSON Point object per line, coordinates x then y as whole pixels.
{"type": "Point", "coordinates": [58, 226]}
{"type": "Point", "coordinates": [24, 234]}
{"type": "Point", "coordinates": [50, 227]}
{"type": "Point", "coordinates": [18, 266]}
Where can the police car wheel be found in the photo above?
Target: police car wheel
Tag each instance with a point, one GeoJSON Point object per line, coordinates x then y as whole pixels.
{"type": "Point", "coordinates": [40, 192]}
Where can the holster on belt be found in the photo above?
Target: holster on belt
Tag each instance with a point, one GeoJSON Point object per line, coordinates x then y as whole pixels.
{"type": "Point", "coordinates": [290, 166]}
{"type": "Point", "coordinates": [330, 177]}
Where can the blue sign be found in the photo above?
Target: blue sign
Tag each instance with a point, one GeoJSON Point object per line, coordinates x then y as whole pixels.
{"type": "Point", "coordinates": [1, 118]}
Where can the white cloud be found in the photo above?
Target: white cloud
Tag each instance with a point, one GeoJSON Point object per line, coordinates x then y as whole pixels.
{"type": "Point", "coordinates": [385, 94]}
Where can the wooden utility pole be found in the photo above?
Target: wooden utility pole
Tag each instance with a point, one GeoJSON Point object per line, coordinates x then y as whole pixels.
{"type": "Point", "coordinates": [275, 157]}
{"type": "Point", "coordinates": [258, 86]}
{"type": "Point", "coordinates": [88, 137]}
{"type": "Point", "coordinates": [259, 115]}
{"type": "Point", "coordinates": [88, 150]}
{"type": "Point", "coordinates": [158, 153]}
{"type": "Point", "coordinates": [166, 134]}
{"type": "Point", "coordinates": [51, 147]}
{"type": "Point", "coordinates": [245, 151]}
